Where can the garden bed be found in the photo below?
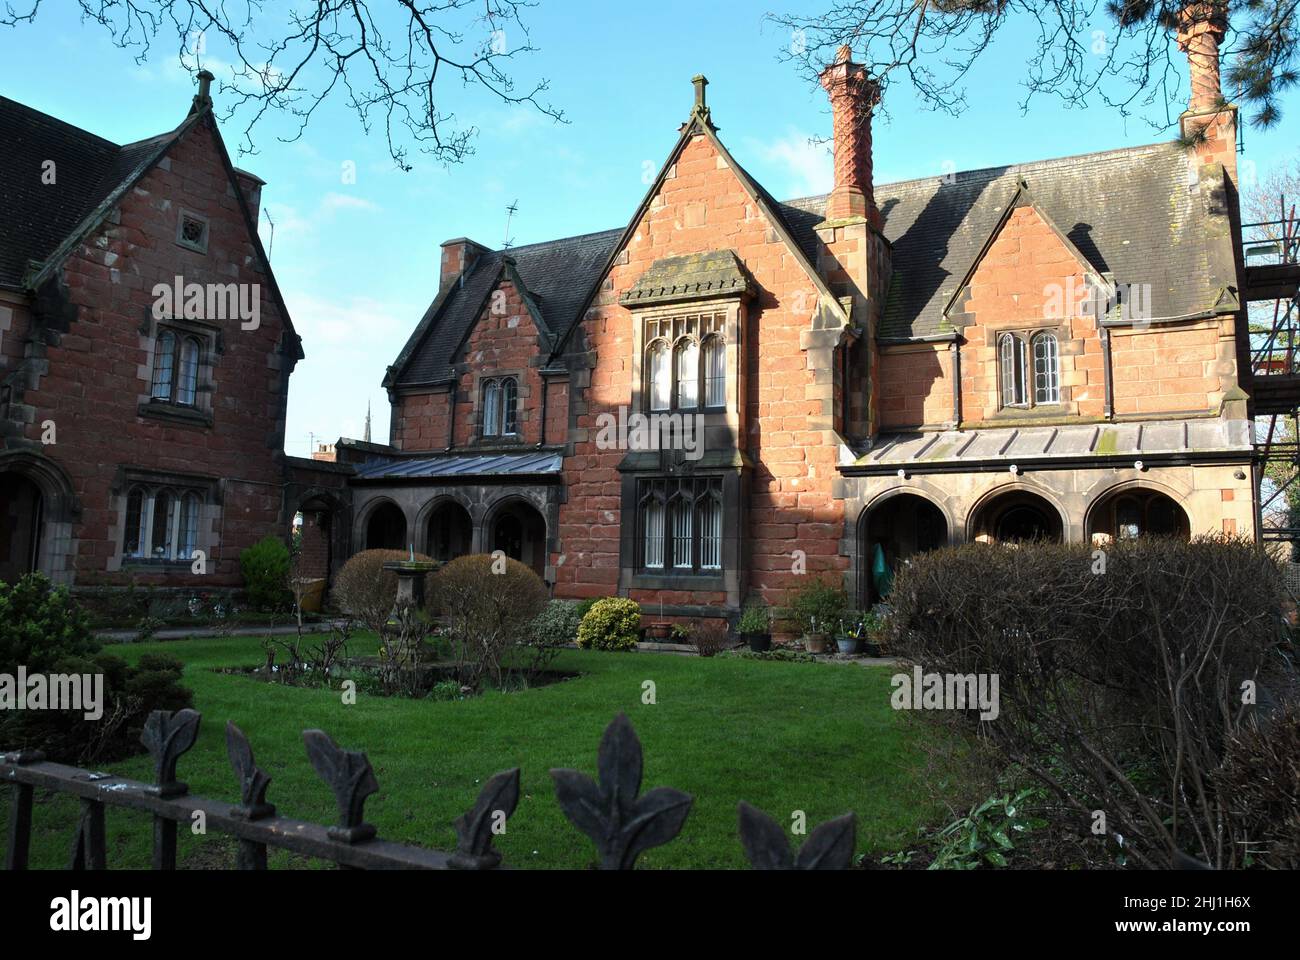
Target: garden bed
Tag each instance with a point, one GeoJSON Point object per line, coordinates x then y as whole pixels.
{"type": "Point", "coordinates": [437, 679]}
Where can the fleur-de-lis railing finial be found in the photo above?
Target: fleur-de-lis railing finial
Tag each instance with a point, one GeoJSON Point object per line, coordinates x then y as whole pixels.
{"type": "Point", "coordinates": [829, 847]}
{"type": "Point", "coordinates": [166, 736]}
{"type": "Point", "coordinates": [253, 780]}
{"type": "Point", "coordinates": [349, 776]}
{"type": "Point", "coordinates": [476, 826]}
{"type": "Point", "coordinates": [621, 824]}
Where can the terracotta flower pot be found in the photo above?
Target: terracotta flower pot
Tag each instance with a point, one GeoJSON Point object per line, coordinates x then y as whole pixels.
{"type": "Point", "coordinates": [658, 631]}
{"type": "Point", "coordinates": [815, 643]}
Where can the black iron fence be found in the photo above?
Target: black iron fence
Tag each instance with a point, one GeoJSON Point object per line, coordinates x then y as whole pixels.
{"type": "Point", "coordinates": [611, 810]}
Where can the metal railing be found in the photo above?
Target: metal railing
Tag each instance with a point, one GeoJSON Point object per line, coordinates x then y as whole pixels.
{"type": "Point", "coordinates": [611, 810]}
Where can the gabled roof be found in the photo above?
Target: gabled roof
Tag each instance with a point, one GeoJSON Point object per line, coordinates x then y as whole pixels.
{"type": "Point", "coordinates": [556, 275]}
{"type": "Point", "coordinates": [1130, 212]}
{"type": "Point", "coordinates": [38, 218]}
{"type": "Point", "coordinates": [953, 317]}
{"type": "Point", "coordinates": [40, 224]}
{"type": "Point", "coordinates": [571, 270]}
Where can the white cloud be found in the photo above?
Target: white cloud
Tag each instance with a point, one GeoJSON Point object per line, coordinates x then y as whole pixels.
{"type": "Point", "coordinates": [333, 202]}
{"type": "Point", "coordinates": [808, 167]}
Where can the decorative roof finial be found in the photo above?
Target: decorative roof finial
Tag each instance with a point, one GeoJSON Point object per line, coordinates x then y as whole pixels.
{"type": "Point", "coordinates": [701, 105]}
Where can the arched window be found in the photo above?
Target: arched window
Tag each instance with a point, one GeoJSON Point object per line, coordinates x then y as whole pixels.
{"type": "Point", "coordinates": [652, 529]}
{"type": "Point", "coordinates": [1047, 369]}
{"type": "Point", "coordinates": [187, 383]}
{"type": "Point", "coordinates": [492, 408]}
{"type": "Point", "coordinates": [715, 372]}
{"type": "Point", "coordinates": [688, 375]}
{"type": "Point", "coordinates": [161, 523]}
{"type": "Point", "coordinates": [1011, 360]}
{"type": "Point", "coordinates": [682, 511]}
{"type": "Point", "coordinates": [500, 407]}
{"type": "Point", "coordinates": [509, 407]}
{"type": "Point", "coordinates": [133, 530]}
{"type": "Point", "coordinates": [164, 360]}
{"type": "Point", "coordinates": [161, 538]}
{"type": "Point", "coordinates": [661, 377]}
{"type": "Point", "coordinates": [679, 525]}
{"type": "Point", "coordinates": [685, 364]}
{"type": "Point", "coordinates": [710, 508]}
{"type": "Point", "coordinates": [189, 527]}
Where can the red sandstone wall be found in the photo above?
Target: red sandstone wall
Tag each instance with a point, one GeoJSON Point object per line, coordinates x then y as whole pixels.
{"type": "Point", "coordinates": [702, 206]}
{"type": "Point", "coordinates": [99, 369]}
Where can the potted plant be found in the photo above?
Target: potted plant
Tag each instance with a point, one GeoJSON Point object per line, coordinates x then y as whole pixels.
{"type": "Point", "coordinates": [816, 608]}
{"type": "Point", "coordinates": [755, 625]}
{"type": "Point", "coordinates": [660, 630]}
{"type": "Point", "coordinates": [873, 625]}
{"type": "Point", "coordinates": [849, 638]}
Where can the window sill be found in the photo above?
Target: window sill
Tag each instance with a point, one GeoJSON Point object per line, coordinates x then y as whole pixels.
{"type": "Point", "coordinates": [713, 580]}
{"type": "Point", "coordinates": [1040, 411]}
{"type": "Point", "coordinates": [143, 563]}
{"type": "Point", "coordinates": [174, 413]}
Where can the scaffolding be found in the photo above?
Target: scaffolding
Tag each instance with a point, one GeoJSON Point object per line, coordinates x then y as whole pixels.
{"type": "Point", "coordinates": [1271, 252]}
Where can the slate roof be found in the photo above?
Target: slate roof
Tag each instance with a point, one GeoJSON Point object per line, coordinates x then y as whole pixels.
{"type": "Point", "coordinates": [1130, 212]}
{"type": "Point", "coordinates": [558, 275]}
{"type": "Point", "coordinates": [460, 466]}
{"type": "Point", "coordinates": [37, 218]}
{"type": "Point", "coordinates": [1023, 445]}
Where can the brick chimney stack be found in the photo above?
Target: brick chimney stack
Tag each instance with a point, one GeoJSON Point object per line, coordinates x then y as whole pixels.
{"type": "Point", "coordinates": [1208, 122]}
{"type": "Point", "coordinates": [853, 97]}
{"type": "Point", "coordinates": [1201, 28]}
{"type": "Point", "coordinates": [458, 256]}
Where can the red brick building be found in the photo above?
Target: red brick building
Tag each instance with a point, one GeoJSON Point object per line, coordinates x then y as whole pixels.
{"type": "Point", "coordinates": [145, 354]}
{"type": "Point", "coordinates": [1050, 349]}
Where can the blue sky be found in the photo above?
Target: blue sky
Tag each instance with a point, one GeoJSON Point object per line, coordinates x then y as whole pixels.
{"type": "Point", "coordinates": [358, 262]}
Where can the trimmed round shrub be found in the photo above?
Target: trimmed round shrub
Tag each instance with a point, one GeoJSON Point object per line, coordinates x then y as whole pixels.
{"type": "Point", "coordinates": [557, 624]}
{"type": "Point", "coordinates": [489, 607]}
{"type": "Point", "coordinates": [365, 590]}
{"type": "Point", "coordinates": [611, 624]}
{"type": "Point", "coordinates": [265, 566]}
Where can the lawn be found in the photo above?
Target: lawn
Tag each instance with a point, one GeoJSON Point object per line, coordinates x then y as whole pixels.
{"type": "Point", "coordinates": [786, 737]}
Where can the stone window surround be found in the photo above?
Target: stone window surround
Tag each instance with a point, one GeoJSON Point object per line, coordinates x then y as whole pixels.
{"type": "Point", "coordinates": [735, 482]}
{"type": "Point", "coordinates": [522, 391]}
{"type": "Point", "coordinates": [182, 215]}
{"type": "Point", "coordinates": [729, 580]}
{"type": "Point", "coordinates": [210, 349]}
{"type": "Point", "coordinates": [732, 415]}
{"type": "Point", "coordinates": [1061, 331]}
{"type": "Point", "coordinates": [210, 513]}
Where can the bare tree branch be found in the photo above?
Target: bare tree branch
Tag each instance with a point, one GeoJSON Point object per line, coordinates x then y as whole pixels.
{"type": "Point", "coordinates": [393, 64]}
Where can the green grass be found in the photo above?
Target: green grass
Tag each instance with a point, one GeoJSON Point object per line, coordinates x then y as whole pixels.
{"type": "Point", "coordinates": [784, 736]}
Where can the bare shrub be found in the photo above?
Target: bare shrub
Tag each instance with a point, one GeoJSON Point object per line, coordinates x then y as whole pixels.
{"type": "Point", "coordinates": [1261, 778]}
{"type": "Point", "coordinates": [1120, 672]}
{"type": "Point", "coordinates": [709, 637]}
{"type": "Point", "coordinates": [487, 613]}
